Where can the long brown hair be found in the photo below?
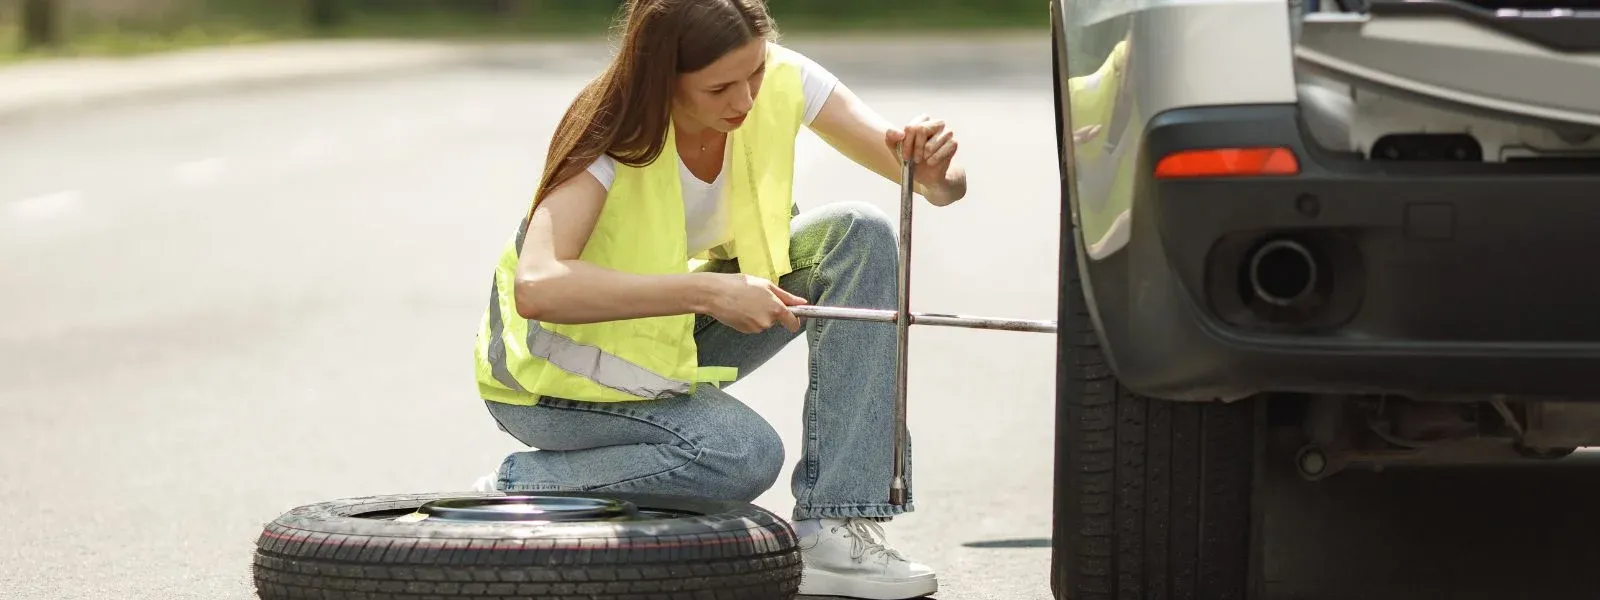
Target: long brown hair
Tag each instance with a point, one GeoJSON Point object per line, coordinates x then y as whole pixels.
{"type": "Point", "coordinates": [624, 112]}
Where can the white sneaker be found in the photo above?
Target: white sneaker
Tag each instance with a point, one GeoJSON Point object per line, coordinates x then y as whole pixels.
{"type": "Point", "coordinates": [486, 483]}
{"type": "Point", "coordinates": [848, 558]}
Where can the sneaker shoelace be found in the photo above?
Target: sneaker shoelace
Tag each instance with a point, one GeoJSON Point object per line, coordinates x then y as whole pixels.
{"type": "Point", "coordinates": [867, 537]}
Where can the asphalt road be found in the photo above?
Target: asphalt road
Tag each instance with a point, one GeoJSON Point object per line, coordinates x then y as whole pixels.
{"type": "Point", "coordinates": [217, 309]}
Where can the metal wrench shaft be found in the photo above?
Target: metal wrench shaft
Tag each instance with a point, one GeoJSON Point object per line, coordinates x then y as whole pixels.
{"type": "Point", "coordinates": [897, 489]}
{"type": "Point", "coordinates": [933, 319]}
{"type": "Point", "coordinates": [903, 319]}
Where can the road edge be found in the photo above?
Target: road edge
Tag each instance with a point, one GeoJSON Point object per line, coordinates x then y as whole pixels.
{"type": "Point", "coordinates": [62, 87]}
{"type": "Point", "coordinates": [59, 87]}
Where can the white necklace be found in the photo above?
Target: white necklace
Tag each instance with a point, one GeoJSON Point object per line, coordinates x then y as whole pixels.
{"type": "Point", "coordinates": [703, 147]}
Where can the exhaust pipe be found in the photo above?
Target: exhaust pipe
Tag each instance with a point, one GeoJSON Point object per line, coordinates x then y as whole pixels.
{"type": "Point", "coordinates": [1283, 273]}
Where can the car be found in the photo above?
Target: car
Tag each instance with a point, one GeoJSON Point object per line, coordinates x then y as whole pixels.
{"type": "Point", "coordinates": [1305, 237]}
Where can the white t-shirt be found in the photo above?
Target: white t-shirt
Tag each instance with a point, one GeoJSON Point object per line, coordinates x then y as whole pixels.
{"type": "Point", "coordinates": [704, 206]}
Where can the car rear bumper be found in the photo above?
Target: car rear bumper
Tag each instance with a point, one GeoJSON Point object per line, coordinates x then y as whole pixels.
{"type": "Point", "coordinates": [1443, 278]}
{"type": "Point", "coordinates": [1536, 64]}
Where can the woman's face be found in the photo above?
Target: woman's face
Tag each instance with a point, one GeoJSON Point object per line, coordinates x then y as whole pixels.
{"type": "Point", "coordinates": [720, 96]}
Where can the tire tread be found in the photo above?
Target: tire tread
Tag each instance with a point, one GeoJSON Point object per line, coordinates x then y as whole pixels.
{"type": "Point", "coordinates": [323, 552]}
{"type": "Point", "coordinates": [1154, 498]}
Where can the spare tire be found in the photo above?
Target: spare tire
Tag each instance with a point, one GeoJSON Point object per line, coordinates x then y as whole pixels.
{"type": "Point", "coordinates": [547, 545]}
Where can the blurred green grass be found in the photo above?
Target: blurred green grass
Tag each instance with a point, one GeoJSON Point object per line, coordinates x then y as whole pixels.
{"type": "Point", "coordinates": [180, 24]}
{"type": "Point", "coordinates": [208, 23]}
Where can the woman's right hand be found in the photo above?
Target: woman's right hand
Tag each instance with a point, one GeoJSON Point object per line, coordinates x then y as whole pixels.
{"type": "Point", "coordinates": [752, 304]}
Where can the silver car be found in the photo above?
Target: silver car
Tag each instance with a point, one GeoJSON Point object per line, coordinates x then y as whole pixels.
{"type": "Point", "coordinates": [1360, 226]}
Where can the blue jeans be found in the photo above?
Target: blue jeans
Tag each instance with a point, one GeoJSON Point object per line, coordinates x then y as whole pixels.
{"type": "Point", "coordinates": [709, 444]}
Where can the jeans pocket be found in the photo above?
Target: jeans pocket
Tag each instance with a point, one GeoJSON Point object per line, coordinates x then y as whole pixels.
{"type": "Point", "coordinates": [701, 322]}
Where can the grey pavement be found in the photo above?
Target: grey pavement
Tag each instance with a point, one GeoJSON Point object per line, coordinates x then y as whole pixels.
{"type": "Point", "coordinates": [223, 306]}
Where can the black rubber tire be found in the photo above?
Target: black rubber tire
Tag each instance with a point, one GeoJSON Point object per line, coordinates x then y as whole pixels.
{"type": "Point", "coordinates": [724, 551]}
{"type": "Point", "coordinates": [1153, 499]}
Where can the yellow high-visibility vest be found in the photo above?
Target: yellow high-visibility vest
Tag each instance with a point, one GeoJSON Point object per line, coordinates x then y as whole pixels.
{"type": "Point", "coordinates": [641, 229]}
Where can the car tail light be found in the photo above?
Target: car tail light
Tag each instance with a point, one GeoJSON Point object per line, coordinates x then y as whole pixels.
{"type": "Point", "coordinates": [1228, 162]}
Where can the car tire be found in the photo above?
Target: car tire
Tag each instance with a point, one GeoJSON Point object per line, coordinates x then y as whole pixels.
{"type": "Point", "coordinates": [1153, 498]}
{"type": "Point", "coordinates": [477, 545]}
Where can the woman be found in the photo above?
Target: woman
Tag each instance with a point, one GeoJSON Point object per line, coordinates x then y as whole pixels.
{"type": "Point", "coordinates": [600, 346]}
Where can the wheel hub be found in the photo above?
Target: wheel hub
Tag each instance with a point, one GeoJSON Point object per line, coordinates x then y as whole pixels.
{"type": "Point", "coordinates": [529, 508]}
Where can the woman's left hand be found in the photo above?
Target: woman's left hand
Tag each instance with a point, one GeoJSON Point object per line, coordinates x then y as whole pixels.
{"type": "Point", "coordinates": [932, 145]}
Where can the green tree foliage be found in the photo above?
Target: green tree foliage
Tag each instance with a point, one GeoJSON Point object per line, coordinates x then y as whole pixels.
{"type": "Point", "coordinates": [67, 24]}
{"type": "Point", "coordinates": [327, 14]}
{"type": "Point", "coordinates": [41, 24]}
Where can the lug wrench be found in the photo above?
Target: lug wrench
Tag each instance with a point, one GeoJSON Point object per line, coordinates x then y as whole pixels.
{"type": "Point", "coordinates": [903, 319]}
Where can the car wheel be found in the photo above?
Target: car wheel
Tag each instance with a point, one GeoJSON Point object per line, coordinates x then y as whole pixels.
{"type": "Point", "coordinates": [1153, 498]}
{"type": "Point", "coordinates": [548, 545]}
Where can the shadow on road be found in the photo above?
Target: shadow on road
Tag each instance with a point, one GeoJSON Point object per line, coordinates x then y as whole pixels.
{"type": "Point", "coordinates": [1010, 544]}
{"type": "Point", "coordinates": [1468, 533]}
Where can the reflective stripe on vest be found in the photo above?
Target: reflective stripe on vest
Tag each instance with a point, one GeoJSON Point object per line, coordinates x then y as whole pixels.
{"type": "Point", "coordinates": [608, 370]}
{"type": "Point", "coordinates": [497, 341]}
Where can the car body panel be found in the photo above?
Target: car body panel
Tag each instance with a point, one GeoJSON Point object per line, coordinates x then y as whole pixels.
{"type": "Point", "coordinates": [1436, 262]}
{"type": "Point", "coordinates": [1443, 56]}
{"type": "Point", "coordinates": [1123, 68]}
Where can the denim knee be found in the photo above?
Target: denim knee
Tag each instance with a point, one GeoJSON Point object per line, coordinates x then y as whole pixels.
{"type": "Point", "coordinates": [858, 229]}
{"type": "Point", "coordinates": [863, 222]}
{"type": "Point", "coordinates": [745, 465]}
